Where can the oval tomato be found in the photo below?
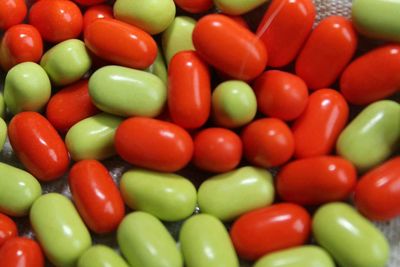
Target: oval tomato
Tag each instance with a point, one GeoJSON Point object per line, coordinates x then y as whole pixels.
{"type": "Point", "coordinates": [97, 12]}
{"type": "Point", "coordinates": [12, 12]}
{"type": "Point", "coordinates": [21, 252]}
{"type": "Point", "coordinates": [89, 2]}
{"type": "Point", "coordinates": [8, 228]}
{"type": "Point", "coordinates": [194, 6]}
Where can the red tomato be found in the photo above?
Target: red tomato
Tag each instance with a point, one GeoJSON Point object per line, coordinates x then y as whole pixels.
{"type": "Point", "coordinates": [20, 43]}
{"type": "Point", "coordinates": [281, 95]}
{"type": "Point", "coordinates": [135, 48]}
{"type": "Point", "coordinates": [268, 142]}
{"type": "Point", "coordinates": [229, 47]}
{"type": "Point", "coordinates": [378, 191]}
{"type": "Point", "coordinates": [69, 106]}
{"type": "Point", "coordinates": [56, 20]}
{"type": "Point", "coordinates": [189, 90]}
{"type": "Point", "coordinates": [8, 228]}
{"type": "Point", "coordinates": [284, 29]}
{"type": "Point", "coordinates": [96, 196]}
{"type": "Point", "coordinates": [315, 181]}
{"type": "Point", "coordinates": [194, 6]}
{"type": "Point", "coordinates": [217, 150]}
{"type": "Point", "coordinates": [316, 130]}
{"type": "Point", "coordinates": [153, 144]}
{"type": "Point", "coordinates": [21, 252]}
{"type": "Point", "coordinates": [327, 52]}
{"type": "Point", "coordinates": [89, 2]}
{"type": "Point", "coordinates": [373, 76]}
{"type": "Point", "coordinates": [97, 12]}
{"type": "Point", "coordinates": [38, 146]}
{"type": "Point", "coordinates": [12, 12]}
{"type": "Point", "coordinates": [269, 229]}
{"type": "Point", "coordinates": [239, 20]}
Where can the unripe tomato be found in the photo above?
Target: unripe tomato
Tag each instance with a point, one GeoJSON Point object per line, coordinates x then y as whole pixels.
{"type": "Point", "coordinates": [89, 2]}
{"type": "Point", "coordinates": [12, 12]}
{"type": "Point", "coordinates": [21, 252]}
{"type": "Point", "coordinates": [194, 6]}
{"type": "Point", "coordinates": [8, 228]}
{"type": "Point", "coordinates": [97, 12]}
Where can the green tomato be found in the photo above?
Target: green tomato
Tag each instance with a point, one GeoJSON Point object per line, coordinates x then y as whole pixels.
{"type": "Point", "coordinates": [237, 7]}
{"type": "Point", "coordinates": [3, 133]}
{"type": "Point", "coordinates": [159, 69]}
{"type": "Point", "coordinates": [2, 106]}
{"type": "Point", "coordinates": [101, 256]}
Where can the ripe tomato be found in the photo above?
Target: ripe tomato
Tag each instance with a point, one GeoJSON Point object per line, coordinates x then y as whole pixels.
{"type": "Point", "coordinates": [89, 2]}
{"type": "Point", "coordinates": [239, 20]}
{"type": "Point", "coordinates": [97, 12]}
{"type": "Point", "coordinates": [12, 12]}
{"type": "Point", "coordinates": [194, 6]}
{"type": "Point", "coordinates": [8, 228]}
{"type": "Point", "coordinates": [21, 252]}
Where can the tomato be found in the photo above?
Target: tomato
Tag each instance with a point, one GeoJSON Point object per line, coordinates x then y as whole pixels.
{"type": "Point", "coordinates": [229, 47]}
{"type": "Point", "coordinates": [89, 2]}
{"type": "Point", "coordinates": [377, 194]}
{"type": "Point", "coordinates": [268, 142]}
{"type": "Point", "coordinates": [56, 20]}
{"type": "Point", "coordinates": [153, 144]}
{"type": "Point", "coordinates": [284, 29]}
{"type": "Point", "coordinates": [281, 94]}
{"type": "Point", "coordinates": [12, 12]}
{"type": "Point", "coordinates": [96, 196]}
{"type": "Point", "coordinates": [135, 48]}
{"type": "Point", "coordinates": [372, 76]}
{"type": "Point", "coordinates": [318, 180]}
{"type": "Point", "coordinates": [269, 229]}
{"type": "Point", "coordinates": [8, 228]}
{"type": "Point", "coordinates": [327, 52]}
{"type": "Point", "coordinates": [189, 90]}
{"type": "Point", "coordinates": [21, 252]}
{"type": "Point", "coordinates": [316, 130]}
{"type": "Point", "coordinates": [217, 150]}
{"type": "Point", "coordinates": [38, 146]}
{"type": "Point", "coordinates": [69, 106]}
{"type": "Point", "coordinates": [239, 20]}
{"type": "Point", "coordinates": [194, 6]}
{"type": "Point", "coordinates": [97, 12]}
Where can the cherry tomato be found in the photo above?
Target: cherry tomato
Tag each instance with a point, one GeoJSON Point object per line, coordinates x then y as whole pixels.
{"type": "Point", "coordinates": [281, 95]}
{"type": "Point", "coordinates": [189, 90]}
{"type": "Point", "coordinates": [284, 29]}
{"type": "Point", "coordinates": [8, 228]}
{"type": "Point", "coordinates": [327, 52]}
{"type": "Point", "coordinates": [89, 2]}
{"type": "Point", "coordinates": [316, 130]}
{"type": "Point", "coordinates": [21, 252]}
{"type": "Point", "coordinates": [269, 229]}
{"type": "Point", "coordinates": [97, 12]}
{"type": "Point", "coordinates": [372, 76]}
{"type": "Point", "coordinates": [239, 20]}
{"type": "Point", "coordinates": [377, 194]}
{"type": "Point", "coordinates": [314, 181]}
{"type": "Point", "coordinates": [267, 142]}
{"type": "Point", "coordinates": [229, 47]}
{"type": "Point", "coordinates": [69, 106]}
{"type": "Point", "coordinates": [12, 12]}
{"type": "Point", "coordinates": [121, 43]}
{"type": "Point", "coordinates": [217, 150]}
{"type": "Point", "coordinates": [38, 146]}
{"type": "Point", "coordinates": [20, 43]}
{"type": "Point", "coordinates": [194, 6]}
{"type": "Point", "coordinates": [96, 196]}
{"type": "Point", "coordinates": [153, 144]}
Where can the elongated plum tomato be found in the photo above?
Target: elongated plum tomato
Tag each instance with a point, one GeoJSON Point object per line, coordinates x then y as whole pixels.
{"type": "Point", "coordinates": [229, 47]}
{"type": "Point", "coordinates": [89, 2]}
{"type": "Point", "coordinates": [317, 180]}
{"type": "Point", "coordinates": [135, 48]}
{"type": "Point", "coordinates": [327, 52]}
{"type": "Point", "coordinates": [38, 146]}
{"type": "Point", "coordinates": [8, 228]}
{"type": "Point", "coordinates": [189, 90]}
{"type": "Point", "coordinates": [96, 196]}
{"type": "Point", "coordinates": [270, 229]}
{"type": "Point", "coordinates": [12, 12]}
{"type": "Point", "coordinates": [97, 12]}
{"type": "Point", "coordinates": [377, 194]}
{"type": "Point", "coordinates": [21, 252]}
{"type": "Point", "coordinates": [194, 6]}
{"type": "Point", "coordinates": [153, 144]}
{"type": "Point", "coordinates": [372, 76]}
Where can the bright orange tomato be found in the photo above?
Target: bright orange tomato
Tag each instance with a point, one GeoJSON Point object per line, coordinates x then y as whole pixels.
{"type": "Point", "coordinates": [21, 252]}
{"type": "Point", "coordinates": [97, 12]}
{"type": "Point", "coordinates": [12, 12]}
{"type": "Point", "coordinates": [194, 6]}
{"type": "Point", "coordinates": [8, 228]}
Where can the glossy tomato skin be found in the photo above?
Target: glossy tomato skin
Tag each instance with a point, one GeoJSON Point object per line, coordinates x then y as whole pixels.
{"type": "Point", "coordinates": [56, 20]}
{"type": "Point", "coordinates": [12, 12]}
{"type": "Point", "coordinates": [20, 43]}
{"type": "Point", "coordinates": [269, 229]}
{"type": "Point", "coordinates": [372, 76]}
{"type": "Point", "coordinates": [135, 48]}
{"type": "Point", "coordinates": [8, 228]}
{"type": "Point", "coordinates": [97, 12]}
{"type": "Point", "coordinates": [96, 196]}
{"type": "Point", "coordinates": [268, 142]}
{"type": "Point", "coordinates": [229, 47]}
{"type": "Point", "coordinates": [327, 52]}
{"type": "Point", "coordinates": [69, 106]}
{"type": "Point", "coordinates": [153, 144]}
{"type": "Point", "coordinates": [217, 150]}
{"type": "Point", "coordinates": [21, 252]}
{"type": "Point", "coordinates": [316, 130]}
{"type": "Point", "coordinates": [194, 6]}
{"type": "Point", "coordinates": [189, 90]}
{"type": "Point", "coordinates": [239, 20]}
{"type": "Point", "coordinates": [281, 95]}
{"type": "Point", "coordinates": [89, 2]}
{"type": "Point", "coordinates": [284, 29]}
{"type": "Point", "coordinates": [377, 194]}
{"type": "Point", "coordinates": [315, 181]}
{"type": "Point", "coordinates": [38, 146]}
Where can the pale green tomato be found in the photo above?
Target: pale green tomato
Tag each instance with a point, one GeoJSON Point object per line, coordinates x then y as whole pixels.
{"type": "Point", "coordinates": [237, 7]}
{"type": "Point", "coordinates": [3, 133]}
{"type": "Point", "coordinates": [101, 256]}
{"type": "Point", "coordinates": [158, 68]}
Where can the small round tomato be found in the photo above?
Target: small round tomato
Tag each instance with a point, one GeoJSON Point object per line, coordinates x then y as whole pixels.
{"type": "Point", "coordinates": [21, 252]}
{"type": "Point", "coordinates": [12, 12]}
{"type": "Point", "coordinates": [89, 2]}
{"type": "Point", "coordinates": [97, 12]}
{"type": "Point", "coordinates": [56, 20]}
{"type": "Point", "coordinates": [194, 6]}
{"type": "Point", "coordinates": [217, 150]}
{"type": "Point", "coordinates": [267, 142]}
{"type": "Point", "coordinates": [377, 194]}
{"type": "Point", "coordinates": [281, 95]}
{"type": "Point", "coordinates": [270, 229]}
{"type": "Point", "coordinates": [8, 228]}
